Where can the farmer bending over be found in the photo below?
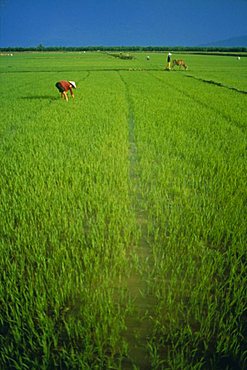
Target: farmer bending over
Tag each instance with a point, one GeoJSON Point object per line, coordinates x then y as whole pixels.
{"type": "Point", "coordinates": [64, 87]}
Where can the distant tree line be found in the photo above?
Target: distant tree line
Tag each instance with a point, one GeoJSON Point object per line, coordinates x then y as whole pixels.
{"type": "Point", "coordinates": [127, 49]}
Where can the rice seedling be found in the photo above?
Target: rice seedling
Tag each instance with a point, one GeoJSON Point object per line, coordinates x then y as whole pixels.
{"type": "Point", "coordinates": [122, 214]}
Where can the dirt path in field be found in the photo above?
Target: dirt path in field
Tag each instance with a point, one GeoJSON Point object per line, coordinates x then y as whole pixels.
{"type": "Point", "coordinates": [139, 322]}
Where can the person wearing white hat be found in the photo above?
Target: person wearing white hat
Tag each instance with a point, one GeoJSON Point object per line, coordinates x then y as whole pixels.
{"type": "Point", "coordinates": [64, 87]}
{"type": "Point", "coordinates": [168, 66]}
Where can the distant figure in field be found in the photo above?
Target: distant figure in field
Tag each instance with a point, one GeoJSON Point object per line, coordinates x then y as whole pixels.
{"type": "Point", "coordinates": [168, 66]}
{"type": "Point", "coordinates": [148, 57]}
{"type": "Point", "coordinates": [64, 87]}
{"type": "Point", "coordinates": [180, 63]}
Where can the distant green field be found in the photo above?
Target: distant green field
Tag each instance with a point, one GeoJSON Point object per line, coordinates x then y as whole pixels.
{"type": "Point", "coordinates": [123, 213]}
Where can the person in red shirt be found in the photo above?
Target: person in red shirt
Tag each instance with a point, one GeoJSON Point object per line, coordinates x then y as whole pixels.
{"type": "Point", "coordinates": [64, 87]}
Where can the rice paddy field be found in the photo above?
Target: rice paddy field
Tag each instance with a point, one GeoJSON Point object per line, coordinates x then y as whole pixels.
{"type": "Point", "coordinates": [123, 213]}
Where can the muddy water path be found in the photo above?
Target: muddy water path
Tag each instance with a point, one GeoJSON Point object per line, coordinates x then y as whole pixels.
{"type": "Point", "coordinates": [139, 322]}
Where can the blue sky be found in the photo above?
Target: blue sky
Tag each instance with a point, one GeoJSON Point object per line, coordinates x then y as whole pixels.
{"type": "Point", "coordinates": [120, 22]}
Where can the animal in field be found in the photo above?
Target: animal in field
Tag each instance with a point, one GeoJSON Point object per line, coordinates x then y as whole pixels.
{"type": "Point", "coordinates": [180, 63]}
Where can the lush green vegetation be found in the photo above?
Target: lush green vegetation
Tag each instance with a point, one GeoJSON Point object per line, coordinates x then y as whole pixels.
{"type": "Point", "coordinates": [42, 48]}
{"type": "Point", "coordinates": [123, 213]}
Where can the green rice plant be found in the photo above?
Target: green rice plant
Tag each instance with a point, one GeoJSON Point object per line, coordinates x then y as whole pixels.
{"type": "Point", "coordinates": [122, 214]}
{"type": "Point", "coordinates": [65, 232]}
{"type": "Point", "coordinates": [194, 193]}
